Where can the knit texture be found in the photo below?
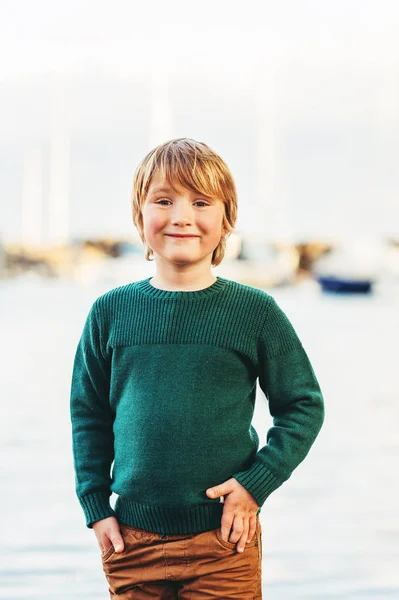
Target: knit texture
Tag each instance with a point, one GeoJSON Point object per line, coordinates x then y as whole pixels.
{"type": "Point", "coordinates": [162, 398]}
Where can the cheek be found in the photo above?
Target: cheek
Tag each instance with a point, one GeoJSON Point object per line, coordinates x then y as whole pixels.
{"type": "Point", "coordinates": [152, 223]}
{"type": "Point", "coordinates": [213, 225]}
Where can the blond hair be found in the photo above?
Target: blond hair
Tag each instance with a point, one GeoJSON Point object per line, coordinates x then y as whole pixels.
{"type": "Point", "coordinates": [192, 165]}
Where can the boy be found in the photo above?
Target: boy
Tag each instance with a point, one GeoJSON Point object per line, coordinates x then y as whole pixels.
{"type": "Point", "coordinates": [163, 387]}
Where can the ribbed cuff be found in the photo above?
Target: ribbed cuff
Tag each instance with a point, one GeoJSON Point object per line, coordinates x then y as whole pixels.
{"type": "Point", "coordinates": [96, 507]}
{"type": "Point", "coordinates": [258, 481]}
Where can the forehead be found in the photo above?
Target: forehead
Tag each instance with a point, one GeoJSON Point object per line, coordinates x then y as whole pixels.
{"type": "Point", "coordinates": [161, 185]}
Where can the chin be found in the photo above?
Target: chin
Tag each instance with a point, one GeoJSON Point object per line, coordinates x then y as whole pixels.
{"type": "Point", "coordinates": [182, 256]}
{"type": "Point", "coordinates": [182, 260]}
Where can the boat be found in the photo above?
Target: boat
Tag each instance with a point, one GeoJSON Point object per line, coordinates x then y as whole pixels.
{"type": "Point", "coordinates": [343, 285]}
{"type": "Point", "coordinates": [351, 267]}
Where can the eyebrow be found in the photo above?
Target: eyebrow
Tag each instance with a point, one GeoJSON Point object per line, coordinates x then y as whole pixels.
{"type": "Point", "coordinates": [161, 188]}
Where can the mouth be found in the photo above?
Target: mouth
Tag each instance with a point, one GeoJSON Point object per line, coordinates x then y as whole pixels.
{"type": "Point", "coordinates": [180, 236]}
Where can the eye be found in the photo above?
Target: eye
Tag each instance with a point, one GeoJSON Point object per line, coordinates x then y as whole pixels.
{"type": "Point", "coordinates": [162, 201]}
{"type": "Point", "coordinates": [201, 202]}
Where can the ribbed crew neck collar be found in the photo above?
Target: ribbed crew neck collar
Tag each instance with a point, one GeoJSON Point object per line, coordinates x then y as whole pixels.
{"type": "Point", "coordinates": [145, 287]}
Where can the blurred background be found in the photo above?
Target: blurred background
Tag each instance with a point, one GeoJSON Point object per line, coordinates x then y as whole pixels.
{"type": "Point", "coordinates": [301, 99]}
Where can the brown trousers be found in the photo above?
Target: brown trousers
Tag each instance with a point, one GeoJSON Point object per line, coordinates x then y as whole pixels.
{"type": "Point", "coordinates": [199, 566]}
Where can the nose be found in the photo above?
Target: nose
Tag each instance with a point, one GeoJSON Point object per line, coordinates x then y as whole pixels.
{"type": "Point", "coordinates": [182, 214]}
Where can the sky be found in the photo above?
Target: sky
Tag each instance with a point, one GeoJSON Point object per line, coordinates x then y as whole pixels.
{"type": "Point", "coordinates": [46, 34]}
{"type": "Point", "coordinates": [331, 68]}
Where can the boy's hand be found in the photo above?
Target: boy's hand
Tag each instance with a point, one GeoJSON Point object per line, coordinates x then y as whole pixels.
{"type": "Point", "coordinates": [239, 513]}
{"type": "Point", "coordinates": [108, 534]}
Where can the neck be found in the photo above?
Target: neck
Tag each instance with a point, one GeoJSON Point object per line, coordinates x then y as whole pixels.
{"type": "Point", "coordinates": [196, 278]}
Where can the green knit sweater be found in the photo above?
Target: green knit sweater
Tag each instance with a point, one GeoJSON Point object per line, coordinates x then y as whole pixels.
{"type": "Point", "coordinates": [163, 391]}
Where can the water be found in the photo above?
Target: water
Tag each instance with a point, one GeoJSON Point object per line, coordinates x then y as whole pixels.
{"type": "Point", "coordinates": [330, 532]}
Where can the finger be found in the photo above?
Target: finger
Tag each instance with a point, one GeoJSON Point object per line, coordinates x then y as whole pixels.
{"type": "Point", "coordinates": [105, 543]}
{"type": "Point", "coordinates": [227, 522]}
{"type": "Point", "coordinates": [117, 541]}
{"type": "Point", "coordinates": [217, 491]}
{"type": "Point", "coordinates": [243, 539]}
{"type": "Point", "coordinates": [223, 488]}
{"type": "Point", "coordinates": [105, 549]}
{"type": "Point", "coordinates": [252, 528]}
{"type": "Point", "coordinates": [238, 528]}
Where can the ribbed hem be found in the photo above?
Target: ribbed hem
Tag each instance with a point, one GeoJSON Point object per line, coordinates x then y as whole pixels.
{"type": "Point", "coordinates": [170, 520]}
{"type": "Point", "coordinates": [258, 481]}
{"type": "Point", "coordinates": [96, 507]}
{"type": "Point", "coordinates": [147, 288]}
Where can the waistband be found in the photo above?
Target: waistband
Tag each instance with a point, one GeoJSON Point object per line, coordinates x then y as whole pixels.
{"type": "Point", "coordinates": [169, 519]}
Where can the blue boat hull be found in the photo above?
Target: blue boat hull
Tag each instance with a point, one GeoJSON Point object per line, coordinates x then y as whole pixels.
{"type": "Point", "coordinates": [344, 286]}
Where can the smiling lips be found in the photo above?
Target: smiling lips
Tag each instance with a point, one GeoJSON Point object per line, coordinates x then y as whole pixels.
{"type": "Point", "coordinates": [180, 235]}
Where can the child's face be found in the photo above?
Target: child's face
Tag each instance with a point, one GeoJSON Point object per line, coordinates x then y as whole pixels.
{"type": "Point", "coordinates": [167, 213]}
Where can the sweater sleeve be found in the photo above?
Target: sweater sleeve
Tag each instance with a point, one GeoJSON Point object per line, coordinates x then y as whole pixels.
{"type": "Point", "coordinates": [295, 402]}
{"type": "Point", "coordinates": [92, 423]}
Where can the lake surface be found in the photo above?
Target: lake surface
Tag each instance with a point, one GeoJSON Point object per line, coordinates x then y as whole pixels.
{"type": "Point", "coordinates": [330, 532]}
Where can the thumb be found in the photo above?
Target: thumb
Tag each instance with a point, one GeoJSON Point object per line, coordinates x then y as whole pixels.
{"type": "Point", "coordinates": [218, 490]}
{"type": "Point", "coordinates": [117, 542]}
